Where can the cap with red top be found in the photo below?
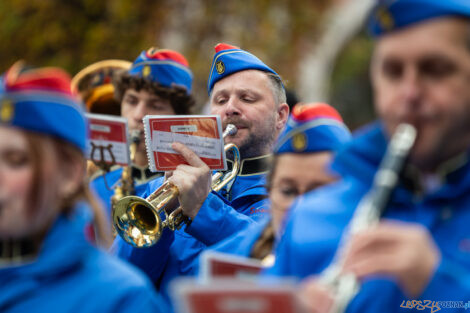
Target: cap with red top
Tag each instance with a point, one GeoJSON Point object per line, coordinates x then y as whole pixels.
{"type": "Point", "coordinates": [40, 100]}
{"type": "Point", "coordinates": [313, 127]}
{"type": "Point", "coordinates": [230, 59]}
{"type": "Point", "coordinates": [163, 66]}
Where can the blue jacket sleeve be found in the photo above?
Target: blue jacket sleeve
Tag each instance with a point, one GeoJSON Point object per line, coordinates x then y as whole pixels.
{"type": "Point", "coordinates": [217, 220]}
{"type": "Point", "coordinates": [151, 260]}
{"type": "Point", "coordinates": [141, 300]}
{"type": "Point", "coordinates": [451, 281]}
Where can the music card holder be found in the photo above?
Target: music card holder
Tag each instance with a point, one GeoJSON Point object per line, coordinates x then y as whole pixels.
{"type": "Point", "coordinates": [234, 296]}
{"type": "Point", "coordinates": [107, 143]}
{"type": "Point", "coordinates": [200, 133]}
{"type": "Point", "coordinates": [215, 265]}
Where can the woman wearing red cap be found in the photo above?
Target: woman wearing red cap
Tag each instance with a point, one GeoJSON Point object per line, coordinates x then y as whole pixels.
{"type": "Point", "coordinates": [46, 262]}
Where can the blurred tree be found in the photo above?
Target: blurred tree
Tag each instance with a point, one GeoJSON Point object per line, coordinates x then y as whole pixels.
{"type": "Point", "coordinates": [339, 25]}
{"type": "Point", "coordinates": [75, 33]}
{"type": "Point", "coordinates": [350, 89]}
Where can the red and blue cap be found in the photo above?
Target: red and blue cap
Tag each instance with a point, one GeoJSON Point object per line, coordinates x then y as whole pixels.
{"type": "Point", "coordinates": [163, 66]}
{"type": "Point", "coordinates": [230, 59]}
{"type": "Point", "coordinates": [312, 127]}
{"type": "Point", "coordinates": [40, 100]}
{"type": "Point", "coordinates": [391, 15]}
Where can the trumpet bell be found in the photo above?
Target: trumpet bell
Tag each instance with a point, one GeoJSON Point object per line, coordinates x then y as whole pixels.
{"type": "Point", "coordinates": [137, 221]}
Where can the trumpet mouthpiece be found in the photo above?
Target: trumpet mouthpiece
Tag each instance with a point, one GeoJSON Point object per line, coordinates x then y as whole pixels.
{"type": "Point", "coordinates": [135, 136]}
{"type": "Point", "coordinates": [230, 130]}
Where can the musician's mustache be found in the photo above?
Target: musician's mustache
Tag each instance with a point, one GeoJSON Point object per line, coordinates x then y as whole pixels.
{"type": "Point", "coordinates": [239, 123]}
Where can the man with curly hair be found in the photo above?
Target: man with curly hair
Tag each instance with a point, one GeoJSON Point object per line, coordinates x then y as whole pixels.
{"type": "Point", "coordinates": [158, 83]}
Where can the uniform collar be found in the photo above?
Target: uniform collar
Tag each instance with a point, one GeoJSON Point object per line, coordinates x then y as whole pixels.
{"type": "Point", "coordinates": [253, 166]}
{"type": "Point", "coordinates": [46, 256]}
{"type": "Point", "coordinates": [421, 183]}
{"type": "Point", "coordinates": [142, 174]}
{"type": "Point", "coordinates": [21, 250]}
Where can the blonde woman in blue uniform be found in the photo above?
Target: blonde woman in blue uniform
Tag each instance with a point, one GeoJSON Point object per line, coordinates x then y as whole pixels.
{"type": "Point", "coordinates": [47, 263]}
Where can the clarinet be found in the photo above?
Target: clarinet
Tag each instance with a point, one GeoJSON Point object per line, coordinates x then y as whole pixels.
{"type": "Point", "coordinates": [367, 215]}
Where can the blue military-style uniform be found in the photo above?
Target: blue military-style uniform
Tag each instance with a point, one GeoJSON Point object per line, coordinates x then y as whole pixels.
{"type": "Point", "coordinates": [311, 128]}
{"type": "Point", "coordinates": [176, 252]}
{"type": "Point", "coordinates": [74, 276]}
{"type": "Point", "coordinates": [318, 220]}
{"type": "Point", "coordinates": [222, 214]}
{"type": "Point", "coordinates": [242, 242]}
{"type": "Point", "coordinates": [63, 272]}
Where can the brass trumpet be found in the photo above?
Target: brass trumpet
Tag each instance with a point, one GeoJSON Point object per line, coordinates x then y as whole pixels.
{"type": "Point", "coordinates": [139, 221]}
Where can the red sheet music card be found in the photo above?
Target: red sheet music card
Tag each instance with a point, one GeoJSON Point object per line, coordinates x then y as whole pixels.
{"type": "Point", "coordinates": [216, 265]}
{"type": "Point", "coordinates": [200, 133]}
{"type": "Point", "coordinates": [107, 140]}
{"type": "Point", "coordinates": [234, 296]}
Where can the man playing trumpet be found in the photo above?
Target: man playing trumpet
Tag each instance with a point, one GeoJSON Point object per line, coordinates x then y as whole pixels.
{"type": "Point", "coordinates": [247, 93]}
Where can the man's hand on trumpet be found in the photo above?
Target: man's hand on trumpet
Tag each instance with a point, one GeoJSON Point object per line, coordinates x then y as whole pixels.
{"type": "Point", "coordinates": [193, 180]}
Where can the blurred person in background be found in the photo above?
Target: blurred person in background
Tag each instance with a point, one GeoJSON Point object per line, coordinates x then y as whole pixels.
{"type": "Point", "coordinates": [157, 83]}
{"type": "Point", "coordinates": [94, 87]}
{"type": "Point", "coordinates": [46, 262]}
{"type": "Point", "coordinates": [420, 250]}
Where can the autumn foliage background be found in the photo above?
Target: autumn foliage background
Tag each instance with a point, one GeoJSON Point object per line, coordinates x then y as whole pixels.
{"type": "Point", "coordinates": [75, 33]}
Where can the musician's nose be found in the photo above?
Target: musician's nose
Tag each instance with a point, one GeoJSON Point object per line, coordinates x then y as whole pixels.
{"type": "Point", "coordinates": [232, 107]}
{"type": "Point", "coordinates": [140, 110]}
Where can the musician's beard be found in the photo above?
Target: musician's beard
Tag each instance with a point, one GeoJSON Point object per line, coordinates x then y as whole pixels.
{"type": "Point", "coordinates": [259, 141]}
{"type": "Point", "coordinates": [256, 145]}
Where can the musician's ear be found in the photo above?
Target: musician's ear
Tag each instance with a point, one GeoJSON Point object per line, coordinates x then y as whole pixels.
{"type": "Point", "coordinates": [282, 116]}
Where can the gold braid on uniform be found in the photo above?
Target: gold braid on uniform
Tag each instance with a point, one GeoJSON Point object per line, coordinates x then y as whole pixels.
{"type": "Point", "coordinates": [264, 245]}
